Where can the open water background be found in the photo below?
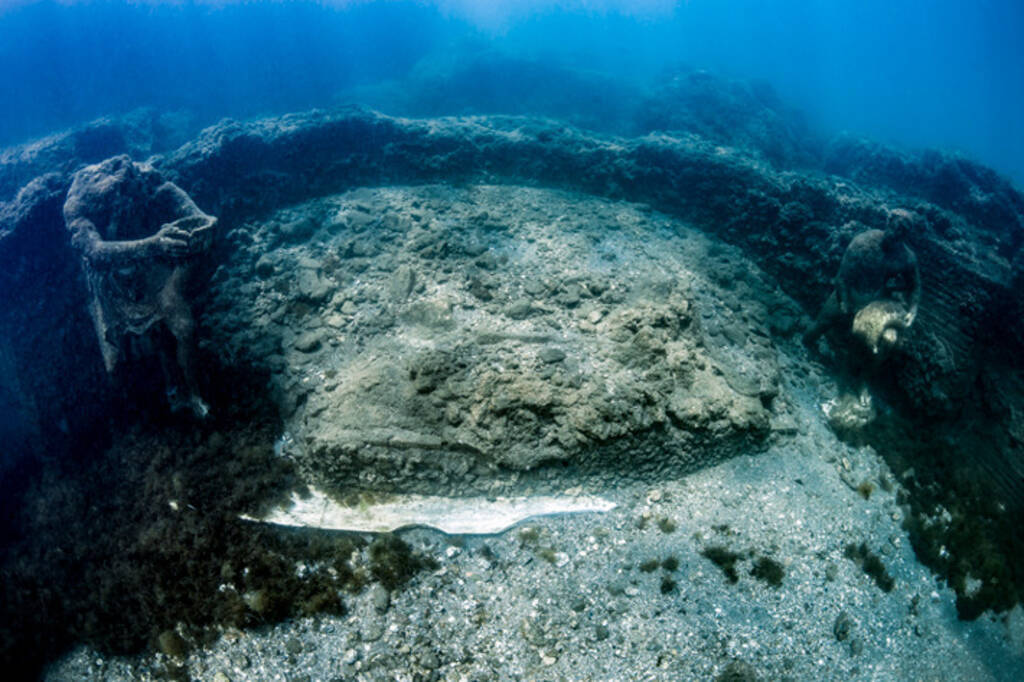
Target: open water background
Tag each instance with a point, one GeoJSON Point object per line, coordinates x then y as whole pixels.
{"type": "Point", "coordinates": [915, 73]}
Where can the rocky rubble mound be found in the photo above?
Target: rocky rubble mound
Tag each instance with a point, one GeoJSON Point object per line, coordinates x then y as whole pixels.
{"type": "Point", "coordinates": [140, 134]}
{"type": "Point", "coordinates": [430, 336]}
{"type": "Point", "coordinates": [793, 225]}
{"type": "Point", "coordinates": [746, 115]}
{"type": "Point", "coordinates": [487, 81]}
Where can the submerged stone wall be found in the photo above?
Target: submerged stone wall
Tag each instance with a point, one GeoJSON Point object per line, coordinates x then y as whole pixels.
{"type": "Point", "coordinates": [48, 356]}
{"type": "Point", "coordinates": [794, 225]}
{"type": "Point", "coordinates": [443, 339]}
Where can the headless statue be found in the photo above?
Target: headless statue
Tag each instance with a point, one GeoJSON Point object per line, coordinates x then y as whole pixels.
{"type": "Point", "coordinates": [139, 236]}
{"type": "Point", "coordinates": [878, 282]}
{"type": "Point", "coordinates": [874, 301]}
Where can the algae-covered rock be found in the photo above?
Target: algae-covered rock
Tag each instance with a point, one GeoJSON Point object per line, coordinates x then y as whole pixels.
{"type": "Point", "coordinates": [309, 341]}
{"type": "Point", "coordinates": [454, 369]}
{"type": "Point", "coordinates": [850, 413]}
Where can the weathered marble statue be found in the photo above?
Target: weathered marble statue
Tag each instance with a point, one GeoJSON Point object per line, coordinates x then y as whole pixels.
{"type": "Point", "coordinates": [139, 236]}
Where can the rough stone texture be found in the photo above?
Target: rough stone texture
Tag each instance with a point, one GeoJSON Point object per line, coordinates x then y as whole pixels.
{"type": "Point", "coordinates": [741, 114]}
{"type": "Point", "coordinates": [631, 360]}
{"type": "Point", "coordinates": [510, 360]}
{"type": "Point", "coordinates": [469, 82]}
{"type": "Point", "coordinates": [794, 225]}
{"type": "Point", "coordinates": [956, 184]}
{"type": "Point", "coordinates": [51, 372]}
{"type": "Point", "coordinates": [139, 134]}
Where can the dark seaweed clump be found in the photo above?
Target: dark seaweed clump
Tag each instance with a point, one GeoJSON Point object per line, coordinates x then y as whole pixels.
{"type": "Point", "coordinates": [393, 562]}
{"type": "Point", "coordinates": [764, 569]}
{"type": "Point", "coordinates": [725, 559]}
{"type": "Point", "coordinates": [93, 551]}
{"type": "Point", "coordinates": [871, 563]}
{"type": "Point", "coordinates": [737, 671]}
{"type": "Point", "coordinates": [982, 538]}
{"type": "Point", "coordinates": [769, 571]}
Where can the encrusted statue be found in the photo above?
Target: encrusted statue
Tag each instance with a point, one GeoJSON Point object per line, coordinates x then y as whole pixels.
{"type": "Point", "coordinates": [877, 267]}
{"type": "Point", "coordinates": [139, 236]}
{"type": "Point", "coordinates": [874, 301]}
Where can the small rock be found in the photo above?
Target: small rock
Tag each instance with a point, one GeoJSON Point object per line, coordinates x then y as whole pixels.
{"type": "Point", "coordinates": [519, 310]}
{"type": "Point", "coordinates": [358, 220]}
{"type": "Point", "coordinates": [480, 290]}
{"type": "Point", "coordinates": [738, 671]}
{"type": "Point", "coordinates": [293, 646]}
{"type": "Point", "coordinates": [842, 627]}
{"type": "Point", "coordinates": [312, 286]}
{"type": "Point", "coordinates": [534, 287]}
{"type": "Point", "coordinates": [551, 355]}
{"type": "Point", "coordinates": [348, 307]}
{"type": "Point", "coordinates": [372, 631]}
{"type": "Point", "coordinates": [783, 424]}
{"type": "Point", "coordinates": [402, 282]}
{"type": "Point", "coordinates": [487, 261]}
{"type": "Point", "coordinates": [474, 248]}
{"type": "Point", "coordinates": [380, 598]}
{"type": "Point", "coordinates": [432, 314]}
{"type": "Point", "coordinates": [429, 660]}
{"type": "Point", "coordinates": [309, 342]}
{"type": "Point", "coordinates": [570, 298]}
{"type": "Point", "coordinates": [171, 643]}
{"type": "Point", "coordinates": [298, 230]}
{"type": "Point", "coordinates": [265, 266]}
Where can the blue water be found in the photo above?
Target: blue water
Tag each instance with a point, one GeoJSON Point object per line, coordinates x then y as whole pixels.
{"type": "Point", "coordinates": [938, 73]}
